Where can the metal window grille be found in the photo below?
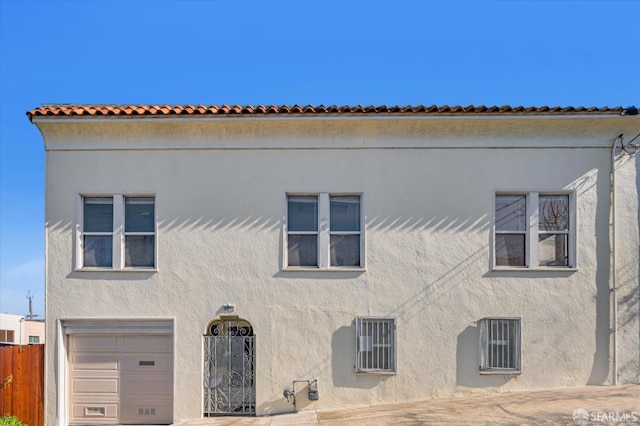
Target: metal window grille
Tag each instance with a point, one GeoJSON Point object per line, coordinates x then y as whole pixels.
{"type": "Point", "coordinates": [375, 345]}
{"type": "Point", "coordinates": [500, 344]}
{"type": "Point", "coordinates": [229, 378]}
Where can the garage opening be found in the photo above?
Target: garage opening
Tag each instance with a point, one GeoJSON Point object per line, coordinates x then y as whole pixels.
{"type": "Point", "coordinates": [229, 360]}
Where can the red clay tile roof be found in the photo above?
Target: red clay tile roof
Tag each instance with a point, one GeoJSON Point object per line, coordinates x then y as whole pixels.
{"type": "Point", "coordinates": [70, 110]}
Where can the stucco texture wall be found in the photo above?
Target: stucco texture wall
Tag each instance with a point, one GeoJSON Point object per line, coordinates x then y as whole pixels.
{"type": "Point", "coordinates": [428, 225]}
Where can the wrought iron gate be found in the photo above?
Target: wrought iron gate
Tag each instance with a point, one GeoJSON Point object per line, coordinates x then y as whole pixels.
{"type": "Point", "coordinates": [229, 359]}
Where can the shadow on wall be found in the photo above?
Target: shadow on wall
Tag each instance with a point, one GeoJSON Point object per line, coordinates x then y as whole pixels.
{"type": "Point", "coordinates": [444, 284]}
{"type": "Point", "coordinates": [433, 224]}
{"type": "Point", "coordinates": [629, 296]}
{"type": "Point", "coordinates": [269, 224]}
{"type": "Point", "coordinates": [468, 362]}
{"type": "Point", "coordinates": [637, 304]}
{"type": "Point", "coordinates": [628, 323]}
{"type": "Point", "coordinates": [600, 370]}
{"type": "Point", "coordinates": [343, 361]}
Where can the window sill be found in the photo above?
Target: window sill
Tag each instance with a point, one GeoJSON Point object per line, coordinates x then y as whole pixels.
{"type": "Point", "coordinates": [116, 270]}
{"type": "Point", "coordinates": [502, 372]}
{"type": "Point", "coordinates": [536, 269]}
{"type": "Point", "coordinates": [335, 269]}
{"type": "Point", "coordinates": [376, 373]}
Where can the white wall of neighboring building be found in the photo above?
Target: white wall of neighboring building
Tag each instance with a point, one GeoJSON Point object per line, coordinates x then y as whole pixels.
{"type": "Point", "coordinates": [428, 188]}
{"type": "Point", "coordinates": [13, 323]}
{"type": "Point", "coordinates": [21, 327]}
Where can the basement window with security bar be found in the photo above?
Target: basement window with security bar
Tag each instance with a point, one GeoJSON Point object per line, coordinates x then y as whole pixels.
{"type": "Point", "coordinates": [376, 345]}
{"type": "Point", "coordinates": [500, 348]}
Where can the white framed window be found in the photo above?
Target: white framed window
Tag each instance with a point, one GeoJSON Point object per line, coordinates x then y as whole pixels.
{"type": "Point", "coordinates": [500, 346]}
{"type": "Point", "coordinates": [534, 230]}
{"type": "Point", "coordinates": [116, 232]}
{"type": "Point", "coordinates": [324, 231]}
{"type": "Point", "coordinates": [376, 345]}
{"type": "Point", "coordinates": [34, 339]}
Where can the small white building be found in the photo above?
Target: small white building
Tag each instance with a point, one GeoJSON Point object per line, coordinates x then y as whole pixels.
{"type": "Point", "coordinates": [16, 330]}
{"type": "Point", "coordinates": [217, 260]}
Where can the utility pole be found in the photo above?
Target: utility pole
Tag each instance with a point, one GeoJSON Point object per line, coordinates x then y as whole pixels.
{"type": "Point", "coordinates": [30, 297]}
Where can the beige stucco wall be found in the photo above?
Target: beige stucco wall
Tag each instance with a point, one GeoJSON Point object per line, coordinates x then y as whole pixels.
{"type": "Point", "coordinates": [34, 328]}
{"type": "Point", "coordinates": [428, 190]}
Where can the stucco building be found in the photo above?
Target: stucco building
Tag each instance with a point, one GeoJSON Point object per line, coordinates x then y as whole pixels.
{"type": "Point", "coordinates": [17, 330]}
{"type": "Point", "coordinates": [206, 260]}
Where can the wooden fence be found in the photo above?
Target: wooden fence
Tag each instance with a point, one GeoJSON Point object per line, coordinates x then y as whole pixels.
{"type": "Point", "coordinates": [22, 383]}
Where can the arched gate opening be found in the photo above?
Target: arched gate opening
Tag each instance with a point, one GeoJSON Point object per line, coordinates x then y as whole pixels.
{"type": "Point", "coordinates": [229, 361]}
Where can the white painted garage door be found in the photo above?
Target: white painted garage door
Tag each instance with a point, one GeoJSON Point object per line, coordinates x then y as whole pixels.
{"type": "Point", "coordinates": [121, 379]}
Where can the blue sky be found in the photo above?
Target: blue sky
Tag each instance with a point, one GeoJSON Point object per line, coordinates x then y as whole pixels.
{"type": "Point", "coordinates": [566, 53]}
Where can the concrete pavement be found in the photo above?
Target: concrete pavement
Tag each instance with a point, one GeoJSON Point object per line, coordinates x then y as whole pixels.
{"type": "Point", "coordinates": [592, 405]}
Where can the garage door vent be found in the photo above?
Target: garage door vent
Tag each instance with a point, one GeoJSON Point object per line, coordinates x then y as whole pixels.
{"type": "Point", "coordinates": [146, 411]}
{"type": "Point", "coordinates": [95, 411]}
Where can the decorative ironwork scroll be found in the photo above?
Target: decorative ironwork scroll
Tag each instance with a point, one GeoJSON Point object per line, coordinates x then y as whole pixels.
{"type": "Point", "coordinates": [229, 377]}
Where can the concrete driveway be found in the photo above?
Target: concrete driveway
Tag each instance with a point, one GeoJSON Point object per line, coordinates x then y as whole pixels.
{"type": "Point", "coordinates": [592, 405]}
